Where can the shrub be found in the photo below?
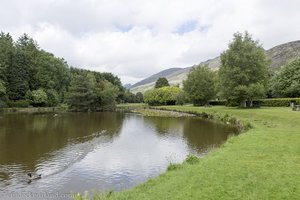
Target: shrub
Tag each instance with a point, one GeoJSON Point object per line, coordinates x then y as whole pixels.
{"type": "Point", "coordinates": [18, 104]}
{"type": "Point", "coordinates": [279, 102]}
{"type": "Point", "coordinates": [162, 96]}
{"type": "Point", "coordinates": [217, 102]}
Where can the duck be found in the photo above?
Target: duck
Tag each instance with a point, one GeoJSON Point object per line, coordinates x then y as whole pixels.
{"type": "Point", "coordinates": [34, 176]}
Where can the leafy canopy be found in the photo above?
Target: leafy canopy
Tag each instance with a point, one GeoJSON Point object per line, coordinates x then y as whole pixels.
{"type": "Point", "coordinates": [161, 82]}
{"type": "Point", "coordinates": [200, 85]}
{"type": "Point", "coordinates": [162, 96]}
{"type": "Point", "coordinates": [286, 83]}
{"type": "Point", "coordinates": [243, 67]}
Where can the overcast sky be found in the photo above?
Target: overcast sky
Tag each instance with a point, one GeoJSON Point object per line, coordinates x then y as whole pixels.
{"type": "Point", "coordinates": [136, 38]}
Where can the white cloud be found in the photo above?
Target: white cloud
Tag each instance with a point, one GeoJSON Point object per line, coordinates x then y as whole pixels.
{"type": "Point", "coordinates": [135, 38]}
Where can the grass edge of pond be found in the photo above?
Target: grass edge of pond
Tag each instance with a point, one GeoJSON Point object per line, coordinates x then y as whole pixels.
{"type": "Point", "coordinates": [262, 163]}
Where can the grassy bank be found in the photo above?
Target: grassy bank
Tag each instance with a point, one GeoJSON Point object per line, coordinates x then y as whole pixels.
{"type": "Point", "coordinates": [263, 163]}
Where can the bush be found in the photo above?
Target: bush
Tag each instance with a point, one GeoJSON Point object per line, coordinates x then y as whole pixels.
{"type": "Point", "coordinates": [3, 104]}
{"type": "Point", "coordinates": [18, 104]}
{"type": "Point", "coordinates": [218, 102]}
{"type": "Point", "coordinates": [280, 102]}
{"type": "Point", "coordinates": [162, 96]}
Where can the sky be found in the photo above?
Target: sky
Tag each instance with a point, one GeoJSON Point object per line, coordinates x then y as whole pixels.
{"type": "Point", "coordinates": [136, 38]}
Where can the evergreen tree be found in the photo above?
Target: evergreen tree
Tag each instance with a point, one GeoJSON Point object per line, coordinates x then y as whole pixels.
{"type": "Point", "coordinates": [81, 96]}
{"type": "Point", "coordinates": [17, 77]}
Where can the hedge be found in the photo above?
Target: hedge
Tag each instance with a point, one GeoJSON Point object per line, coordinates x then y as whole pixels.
{"type": "Point", "coordinates": [217, 102]}
{"type": "Point", "coordinates": [279, 102]}
{"type": "Point", "coordinates": [18, 104]}
{"type": "Point", "coordinates": [276, 102]}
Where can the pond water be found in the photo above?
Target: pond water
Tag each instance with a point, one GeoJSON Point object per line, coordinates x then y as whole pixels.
{"type": "Point", "coordinates": [76, 152]}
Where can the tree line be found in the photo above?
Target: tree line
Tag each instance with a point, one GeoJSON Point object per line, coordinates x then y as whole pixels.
{"type": "Point", "coordinates": [242, 78]}
{"type": "Point", "coordinates": [30, 76]}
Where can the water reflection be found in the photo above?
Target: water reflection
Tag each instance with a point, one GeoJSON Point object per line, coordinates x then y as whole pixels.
{"type": "Point", "coordinates": [81, 151]}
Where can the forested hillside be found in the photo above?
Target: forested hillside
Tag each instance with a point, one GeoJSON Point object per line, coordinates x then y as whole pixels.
{"type": "Point", "coordinates": [30, 76]}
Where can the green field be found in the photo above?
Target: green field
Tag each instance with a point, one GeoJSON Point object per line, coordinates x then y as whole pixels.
{"type": "Point", "coordinates": [262, 163]}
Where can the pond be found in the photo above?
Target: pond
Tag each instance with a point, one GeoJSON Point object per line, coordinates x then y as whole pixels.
{"type": "Point", "coordinates": [104, 151]}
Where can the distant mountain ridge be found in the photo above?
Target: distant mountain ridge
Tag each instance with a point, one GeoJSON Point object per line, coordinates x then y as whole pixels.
{"type": "Point", "coordinates": [278, 55]}
{"type": "Point", "coordinates": [154, 77]}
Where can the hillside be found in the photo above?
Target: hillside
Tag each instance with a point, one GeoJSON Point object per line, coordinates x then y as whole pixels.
{"type": "Point", "coordinates": [278, 55]}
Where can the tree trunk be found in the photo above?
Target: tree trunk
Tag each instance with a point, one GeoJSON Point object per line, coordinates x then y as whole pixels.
{"type": "Point", "coordinates": [243, 104]}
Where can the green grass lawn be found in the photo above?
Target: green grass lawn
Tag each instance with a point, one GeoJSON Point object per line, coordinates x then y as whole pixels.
{"type": "Point", "coordinates": [262, 163]}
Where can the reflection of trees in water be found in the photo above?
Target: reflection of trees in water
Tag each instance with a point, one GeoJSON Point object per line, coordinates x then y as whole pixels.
{"type": "Point", "coordinates": [199, 134]}
{"type": "Point", "coordinates": [202, 134]}
{"type": "Point", "coordinates": [27, 137]}
{"type": "Point", "coordinates": [166, 125]}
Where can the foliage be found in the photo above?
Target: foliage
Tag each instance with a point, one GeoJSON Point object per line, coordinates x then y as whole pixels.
{"type": "Point", "coordinates": [199, 85]}
{"type": "Point", "coordinates": [243, 71]}
{"type": "Point", "coordinates": [217, 102]}
{"type": "Point", "coordinates": [18, 104]}
{"type": "Point", "coordinates": [39, 97]}
{"type": "Point", "coordinates": [161, 82]}
{"type": "Point", "coordinates": [139, 97]}
{"type": "Point", "coordinates": [281, 102]}
{"type": "Point", "coordinates": [106, 96]}
{"type": "Point", "coordinates": [2, 89]}
{"type": "Point", "coordinates": [162, 96]}
{"type": "Point", "coordinates": [28, 72]}
{"type": "Point", "coordinates": [286, 83]}
{"type": "Point", "coordinates": [129, 97]}
{"type": "Point", "coordinates": [181, 98]}
{"type": "Point", "coordinates": [81, 96]}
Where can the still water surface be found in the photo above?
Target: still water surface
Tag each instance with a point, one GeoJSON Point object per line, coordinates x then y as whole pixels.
{"type": "Point", "coordinates": [104, 151]}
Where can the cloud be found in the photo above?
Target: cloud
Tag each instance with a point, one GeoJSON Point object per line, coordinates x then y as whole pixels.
{"type": "Point", "coordinates": [134, 38]}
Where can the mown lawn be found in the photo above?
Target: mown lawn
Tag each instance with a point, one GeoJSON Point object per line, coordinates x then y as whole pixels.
{"type": "Point", "coordinates": [263, 163]}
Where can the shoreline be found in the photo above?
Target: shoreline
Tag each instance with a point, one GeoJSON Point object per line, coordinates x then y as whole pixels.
{"type": "Point", "coordinates": [248, 166]}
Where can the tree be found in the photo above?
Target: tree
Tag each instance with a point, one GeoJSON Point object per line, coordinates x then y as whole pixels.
{"type": "Point", "coordinates": [139, 97]}
{"type": "Point", "coordinates": [17, 77]}
{"type": "Point", "coordinates": [286, 83]}
{"type": "Point", "coordinates": [39, 97]}
{"type": "Point", "coordinates": [106, 94]}
{"type": "Point", "coordinates": [81, 95]}
{"type": "Point", "coordinates": [199, 85]}
{"type": "Point", "coordinates": [162, 96]}
{"type": "Point", "coordinates": [25, 69]}
{"type": "Point", "coordinates": [161, 82]}
{"type": "Point", "coordinates": [129, 97]}
{"type": "Point", "coordinates": [6, 54]}
{"type": "Point", "coordinates": [244, 64]}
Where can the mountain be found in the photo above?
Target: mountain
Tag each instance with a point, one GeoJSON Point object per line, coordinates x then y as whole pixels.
{"type": "Point", "coordinates": [154, 77]}
{"type": "Point", "coordinates": [127, 85]}
{"type": "Point", "coordinates": [278, 56]}
{"type": "Point", "coordinates": [282, 54]}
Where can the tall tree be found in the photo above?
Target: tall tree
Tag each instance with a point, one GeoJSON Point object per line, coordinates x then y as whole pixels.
{"type": "Point", "coordinates": [81, 95]}
{"type": "Point", "coordinates": [243, 67]}
{"type": "Point", "coordinates": [17, 77]}
{"type": "Point", "coordinates": [161, 82]}
{"type": "Point", "coordinates": [199, 85]}
{"type": "Point", "coordinates": [286, 83]}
